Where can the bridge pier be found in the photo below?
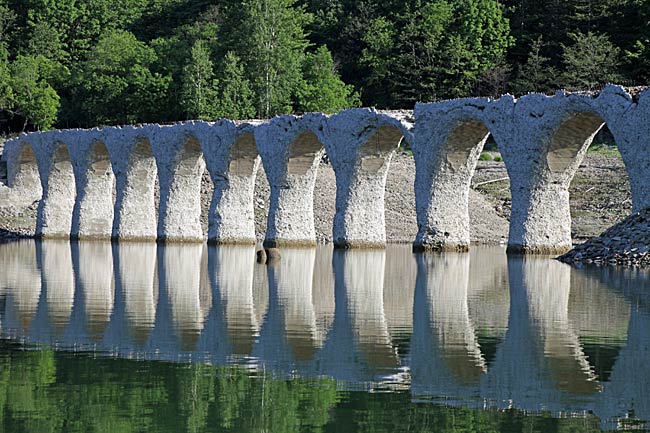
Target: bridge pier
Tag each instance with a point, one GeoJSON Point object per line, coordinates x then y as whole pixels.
{"type": "Point", "coordinates": [360, 144]}
{"type": "Point", "coordinates": [54, 215]}
{"type": "Point", "coordinates": [134, 166]}
{"type": "Point", "coordinates": [232, 159]}
{"type": "Point", "coordinates": [291, 154]}
{"type": "Point", "coordinates": [448, 141]}
{"type": "Point", "coordinates": [180, 164]}
{"type": "Point", "coordinates": [543, 144]}
{"type": "Point", "coordinates": [92, 216]}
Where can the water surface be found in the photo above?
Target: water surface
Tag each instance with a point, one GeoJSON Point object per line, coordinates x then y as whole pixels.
{"type": "Point", "coordinates": [141, 337]}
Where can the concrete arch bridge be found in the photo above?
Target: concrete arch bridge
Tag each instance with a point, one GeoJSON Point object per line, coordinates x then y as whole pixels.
{"type": "Point", "coordinates": [100, 183]}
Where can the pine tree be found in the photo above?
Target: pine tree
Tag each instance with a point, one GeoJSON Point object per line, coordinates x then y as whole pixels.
{"type": "Point", "coordinates": [536, 75]}
{"type": "Point", "coordinates": [591, 61]}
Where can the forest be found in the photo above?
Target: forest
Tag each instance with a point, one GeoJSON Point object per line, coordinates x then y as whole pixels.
{"type": "Point", "coordinates": [87, 63]}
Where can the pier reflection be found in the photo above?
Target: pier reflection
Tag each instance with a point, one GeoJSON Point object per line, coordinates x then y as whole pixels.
{"type": "Point", "coordinates": [446, 357]}
{"type": "Point", "coordinates": [460, 329]}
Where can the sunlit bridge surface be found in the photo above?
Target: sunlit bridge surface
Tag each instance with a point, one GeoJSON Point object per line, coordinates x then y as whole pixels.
{"type": "Point", "coordinates": [143, 337]}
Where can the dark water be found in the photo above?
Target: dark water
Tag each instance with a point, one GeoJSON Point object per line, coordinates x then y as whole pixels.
{"type": "Point", "coordinates": [143, 338]}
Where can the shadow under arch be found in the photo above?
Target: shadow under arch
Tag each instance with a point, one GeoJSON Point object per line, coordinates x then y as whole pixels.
{"type": "Point", "coordinates": [135, 215]}
{"type": "Point", "coordinates": [54, 216]}
{"type": "Point", "coordinates": [570, 142]}
{"type": "Point", "coordinates": [179, 212]}
{"type": "Point", "coordinates": [92, 216]}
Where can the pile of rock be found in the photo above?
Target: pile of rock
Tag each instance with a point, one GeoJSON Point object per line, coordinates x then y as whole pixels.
{"type": "Point", "coordinates": [626, 243]}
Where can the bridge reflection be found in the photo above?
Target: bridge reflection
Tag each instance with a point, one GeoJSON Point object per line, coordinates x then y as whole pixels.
{"type": "Point", "coordinates": [463, 329]}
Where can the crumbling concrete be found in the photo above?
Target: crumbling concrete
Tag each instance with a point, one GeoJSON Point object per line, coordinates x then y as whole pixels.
{"type": "Point", "coordinates": [448, 140]}
{"type": "Point", "coordinates": [134, 166]}
{"type": "Point", "coordinates": [92, 216]}
{"type": "Point", "coordinates": [179, 159]}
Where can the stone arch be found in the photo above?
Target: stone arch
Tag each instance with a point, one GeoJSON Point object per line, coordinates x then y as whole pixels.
{"type": "Point", "coordinates": [231, 215]}
{"type": "Point", "coordinates": [92, 217]}
{"type": "Point", "coordinates": [180, 194]}
{"type": "Point", "coordinates": [135, 214]}
{"type": "Point", "coordinates": [570, 142]}
{"type": "Point", "coordinates": [568, 151]}
{"type": "Point", "coordinates": [23, 175]}
{"type": "Point", "coordinates": [54, 218]}
{"type": "Point", "coordinates": [361, 158]}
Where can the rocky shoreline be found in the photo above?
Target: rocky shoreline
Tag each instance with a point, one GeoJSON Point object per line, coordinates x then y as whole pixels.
{"type": "Point", "coordinates": [626, 243]}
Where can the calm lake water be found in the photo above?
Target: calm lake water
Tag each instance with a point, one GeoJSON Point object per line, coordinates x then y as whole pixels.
{"type": "Point", "coordinates": [143, 338]}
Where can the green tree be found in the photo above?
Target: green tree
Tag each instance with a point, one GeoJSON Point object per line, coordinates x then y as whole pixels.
{"type": "Point", "coordinates": [322, 89]}
{"type": "Point", "coordinates": [235, 96]}
{"type": "Point", "coordinates": [591, 61]}
{"type": "Point", "coordinates": [272, 42]}
{"type": "Point", "coordinates": [440, 51]}
{"type": "Point", "coordinates": [117, 84]}
{"type": "Point", "coordinates": [34, 99]}
{"type": "Point", "coordinates": [199, 93]}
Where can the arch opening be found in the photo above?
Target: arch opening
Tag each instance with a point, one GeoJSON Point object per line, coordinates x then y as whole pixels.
{"type": "Point", "coordinates": [243, 156]}
{"type": "Point", "coordinates": [375, 152]}
{"type": "Point", "coordinates": [573, 137]}
{"type": "Point", "coordinates": [599, 191]}
{"type": "Point", "coordinates": [25, 176]}
{"type": "Point", "coordinates": [302, 153]}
